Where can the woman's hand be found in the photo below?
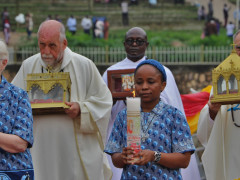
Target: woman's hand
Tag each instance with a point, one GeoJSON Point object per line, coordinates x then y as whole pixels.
{"type": "Point", "coordinates": [127, 155]}
{"type": "Point", "coordinates": [121, 159]}
{"type": "Point", "coordinates": [144, 157]}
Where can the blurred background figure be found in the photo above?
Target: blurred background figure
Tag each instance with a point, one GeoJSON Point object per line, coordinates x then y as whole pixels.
{"type": "Point", "coordinates": [106, 29]}
{"type": "Point", "coordinates": [29, 25]}
{"type": "Point", "coordinates": [210, 9]}
{"type": "Point", "coordinates": [152, 2]}
{"type": "Point", "coordinates": [201, 13]}
{"type": "Point", "coordinates": [211, 28]}
{"type": "Point", "coordinates": [99, 27]}
{"type": "Point", "coordinates": [6, 24]}
{"type": "Point", "coordinates": [230, 29]}
{"type": "Point", "coordinates": [57, 18]}
{"type": "Point", "coordinates": [124, 6]}
{"type": "Point", "coordinates": [226, 10]}
{"type": "Point", "coordinates": [6, 29]}
{"type": "Point", "coordinates": [86, 24]}
{"type": "Point", "coordinates": [72, 24]}
{"type": "Point", "coordinates": [4, 15]}
{"type": "Point", "coordinates": [49, 17]}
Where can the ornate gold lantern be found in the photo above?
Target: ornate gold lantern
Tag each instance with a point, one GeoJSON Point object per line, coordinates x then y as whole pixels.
{"type": "Point", "coordinates": [48, 91]}
{"type": "Point", "coordinates": [226, 77]}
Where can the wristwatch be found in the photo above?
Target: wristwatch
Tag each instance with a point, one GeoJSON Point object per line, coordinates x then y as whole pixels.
{"type": "Point", "coordinates": [157, 156]}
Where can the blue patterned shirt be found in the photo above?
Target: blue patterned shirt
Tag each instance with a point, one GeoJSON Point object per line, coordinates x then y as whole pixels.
{"type": "Point", "coordinates": [168, 132]}
{"type": "Point", "coordinates": [15, 118]}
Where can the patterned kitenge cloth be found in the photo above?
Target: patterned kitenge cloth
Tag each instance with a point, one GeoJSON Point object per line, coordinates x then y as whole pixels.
{"type": "Point", "coordinates": [15, 118]}
{"type": "Point", "coordinates": [168, 132]}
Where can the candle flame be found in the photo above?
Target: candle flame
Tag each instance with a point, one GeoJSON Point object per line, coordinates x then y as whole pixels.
{"type": "Point", "coordinates": [134, 93]}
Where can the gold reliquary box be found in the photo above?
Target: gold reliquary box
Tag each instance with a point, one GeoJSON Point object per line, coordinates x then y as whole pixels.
{"type": "Point", "coordinates": [48, 92]}
{"type": "Point", "coordinates": [226, 80]}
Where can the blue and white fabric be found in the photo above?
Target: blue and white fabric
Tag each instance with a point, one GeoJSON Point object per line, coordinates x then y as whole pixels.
{"type": "Point", "coordinates": [168, 132]}
{"type": "Point", "coordinates": [15, 118]}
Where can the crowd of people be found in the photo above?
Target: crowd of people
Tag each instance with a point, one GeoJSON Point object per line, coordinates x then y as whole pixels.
{"type": "Point", "coordinates": [79, 135]}
{"type": "Point", "coordinates": [98, 27]}
{"type": "Point", "coordinates": [89, 139]}
{"type": "Point", "coordinates": [212, 25]}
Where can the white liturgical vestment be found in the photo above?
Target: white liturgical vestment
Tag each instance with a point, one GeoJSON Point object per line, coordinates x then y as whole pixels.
{"type": "Point", "coordinates": [66, 148]}
{"type": "Point", "coordinates": [220, 138]}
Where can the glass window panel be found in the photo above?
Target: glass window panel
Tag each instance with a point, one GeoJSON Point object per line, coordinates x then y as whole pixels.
{"type": "Point", "coordinates": [37, 95]}
{"type": "Point", "coordinates": [221, 86]}
{"type": "Point", "coordinates": [232, 83]}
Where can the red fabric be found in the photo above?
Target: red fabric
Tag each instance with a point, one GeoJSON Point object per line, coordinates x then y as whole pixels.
{"type": "Point", "coordinates": [193, 103]}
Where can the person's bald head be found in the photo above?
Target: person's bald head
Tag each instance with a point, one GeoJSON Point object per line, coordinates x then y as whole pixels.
{"type": "Point", "coordinates": [137, 30]}
{"type": "Point", "coordinates": [135, 43]}
{"type": "Point", "coordinates": [52, 26]}
{"type": "Point", "coordinates": [52, 42]}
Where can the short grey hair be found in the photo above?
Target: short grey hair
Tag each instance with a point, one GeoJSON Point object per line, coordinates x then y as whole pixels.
{"type": "Point", "coordinates": [235, 35]}
{"type": "Point", "coordinates": [3, 51]}
{"type": "Point", "coordinates": [62, 33]}
{"type": "Point", "coordinates": [61, 30]}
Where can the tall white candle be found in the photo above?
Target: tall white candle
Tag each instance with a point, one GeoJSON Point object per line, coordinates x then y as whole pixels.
{"type": "Point", "coordinates": [133, 123]}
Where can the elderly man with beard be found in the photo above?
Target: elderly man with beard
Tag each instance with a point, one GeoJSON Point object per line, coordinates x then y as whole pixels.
{"type": "Point", "coordinates": [136, 43]}
{"type": "Point", "coordinates": [70, 145]}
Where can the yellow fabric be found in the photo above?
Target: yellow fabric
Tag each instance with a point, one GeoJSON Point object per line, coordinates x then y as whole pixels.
{"type": "Point", "coordinates": [207, 89]}
{"type": "Point", "coordinates": [193, 120]}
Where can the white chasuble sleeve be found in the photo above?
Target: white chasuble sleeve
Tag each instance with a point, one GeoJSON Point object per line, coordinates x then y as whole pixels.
{"type": "Point", "coordinates": [213, 156]}
{"type": "Point", "coordinates": [205, 125]}
{"type": "Point", "coordinates": [96, 106]}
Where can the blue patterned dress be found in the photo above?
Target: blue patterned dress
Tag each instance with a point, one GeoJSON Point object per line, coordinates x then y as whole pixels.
{"type": "Point", "coordinates": [167, 131]}
{"type": "Point", "coordinates": [15, 118]}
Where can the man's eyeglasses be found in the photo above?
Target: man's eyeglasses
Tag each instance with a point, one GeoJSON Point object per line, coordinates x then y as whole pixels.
{"type": "Point", "coordinates": [139, 42]}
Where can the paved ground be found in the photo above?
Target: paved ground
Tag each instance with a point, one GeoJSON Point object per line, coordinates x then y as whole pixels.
{"type": "Point", "coordinates": [217, 8]}
{"type": "Point", "coordinates": [15, 37]}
